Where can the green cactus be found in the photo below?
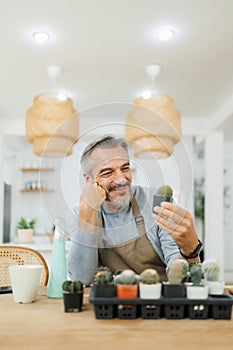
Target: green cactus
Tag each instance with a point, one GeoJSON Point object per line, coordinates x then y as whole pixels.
{"type": "Point", "coordinates": [149, 276]}
{"type": "Point", "coordinates": [195, 270]}
{"type": "Point", "coordinates": [72, 286]}
{"type": "Point", "coordinates": [103, 277]}
{"type": "Point", "coordinates": [211, 270]}
{"type": "Point", "coordinates": [178, 271]}
{"type": "Point", "coordinates": [164, 191]}
{"type": "Point", "coordinates": [127, 277]}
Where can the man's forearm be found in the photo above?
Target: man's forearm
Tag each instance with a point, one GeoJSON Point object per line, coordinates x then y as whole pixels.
{"type": "Point", "coordinates": [87, 218]}
{"type": "Point", "coordinates": [82, 262]}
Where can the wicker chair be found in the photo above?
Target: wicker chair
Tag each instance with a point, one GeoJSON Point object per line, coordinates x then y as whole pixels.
{"type": "Point", "coordinates": [17, 255]}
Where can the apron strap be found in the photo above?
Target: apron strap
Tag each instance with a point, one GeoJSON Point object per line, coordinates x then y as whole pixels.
{"type": "Point", "coordinates": [139, 220]}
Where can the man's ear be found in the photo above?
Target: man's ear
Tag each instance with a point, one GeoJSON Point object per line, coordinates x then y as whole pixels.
{"type": "Point", "coordinates": [87, 177]}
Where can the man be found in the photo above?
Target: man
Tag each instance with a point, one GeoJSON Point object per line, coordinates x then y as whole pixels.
{"type": "Point", "coordinates": [114, 225]}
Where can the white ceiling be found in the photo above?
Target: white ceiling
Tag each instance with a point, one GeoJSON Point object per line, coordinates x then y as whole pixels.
{"type": "Point", "coordinates": [104, 46]}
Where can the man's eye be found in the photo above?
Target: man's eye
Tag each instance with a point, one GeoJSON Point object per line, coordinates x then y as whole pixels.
{"type": "Point", "coordinates": [126, 168]}
{"type": "Point", "coordinates": [106, 174]}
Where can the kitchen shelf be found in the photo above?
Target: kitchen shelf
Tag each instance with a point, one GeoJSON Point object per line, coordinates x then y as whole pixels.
{"type": "Point", "coordinates": [37, 169]}
{"type": "Point", "coordinates": [36, 191]}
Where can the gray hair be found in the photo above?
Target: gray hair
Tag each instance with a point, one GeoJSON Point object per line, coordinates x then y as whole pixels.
{"type": "Point", "coordinates": [106, 141]}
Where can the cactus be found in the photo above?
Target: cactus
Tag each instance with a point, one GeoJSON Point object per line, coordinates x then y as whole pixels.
{"type": "Point", "coordinates": [72, 286]}
{"type": "Point", "coordinates": [127, 277]}
{"type": "Point", "coordinates": [164, 191]}
{"type": "Point", "coordinates": [178, 271]}
{"type": "Point", "coordinates": [211, 270]}
{"type": "Point", "coordinates": [103, 277]}
{"type": "Point", "coordinates": [149, 276]}
{"type": "Point", "coordinates": [195, 270]}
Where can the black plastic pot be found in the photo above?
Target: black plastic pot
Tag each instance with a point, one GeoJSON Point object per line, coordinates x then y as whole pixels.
{"type": "Point", "coordinates": [104, 290]}
{"type": "Point", "coordinates": [157, 200]}
{"type": "Point", "coordinates": [73, 301]}
{"type": "Point", "coordinates": [174, 290]}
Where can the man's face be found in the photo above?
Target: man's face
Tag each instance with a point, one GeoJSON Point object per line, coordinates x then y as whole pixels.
{"type": "Point", "coordinates": [112, 172]}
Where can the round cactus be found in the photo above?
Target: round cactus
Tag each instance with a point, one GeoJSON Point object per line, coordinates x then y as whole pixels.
{"type": "Point", "coordinates": [126, 277]}
{"type": "Point", "coordinates": [211, 270]}
{"type": "Point", "coordinates": [72, 286]}
{"type": "Point", "coordinates": [165, 191]}
{"type": "Point", "coordinates": [103, 277]}
{"type": "Point", "coordinates": [149, 276]}
{"type": "Point", "coordinates": [178, 271]}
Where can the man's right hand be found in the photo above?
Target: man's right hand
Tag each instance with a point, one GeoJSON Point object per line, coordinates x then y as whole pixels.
{"type": "Point", "coordinates": [92, 196]}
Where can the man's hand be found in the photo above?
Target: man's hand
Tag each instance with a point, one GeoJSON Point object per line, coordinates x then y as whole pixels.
{"type": "Point", "coordinates": [179, 224]}
{"type": "Point", "coordinates": [92, 195]}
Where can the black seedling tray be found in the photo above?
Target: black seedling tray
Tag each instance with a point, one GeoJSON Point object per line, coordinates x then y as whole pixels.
{"type": "Point", "coordinates": [216, 307]}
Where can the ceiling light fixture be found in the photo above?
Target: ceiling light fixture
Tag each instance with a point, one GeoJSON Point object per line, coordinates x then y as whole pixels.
{"type": "Point", "coordinates": [153, 126]}
{"type": "Point", "coordinates": [41, 37]}
{"type": "Point", "coordinates": [52, 122]}
{"type": "Point", "coordinates": [166, 34]}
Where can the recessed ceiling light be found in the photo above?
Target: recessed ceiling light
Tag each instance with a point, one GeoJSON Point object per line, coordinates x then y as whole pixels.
{"type": "Point", "coordinates": [61, 96]}
{"type": "Point", "coordinates": [146, 95]}
{"type": "Point", "coordinates": [166, 33]}
{"type": "Point", "coordinates": [40, 37]}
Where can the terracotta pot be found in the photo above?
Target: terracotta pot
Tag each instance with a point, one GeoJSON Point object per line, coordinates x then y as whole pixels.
{"type": "Point", "coordinates": [127, 291]}
{"type": "Point", "coordinates": [25, 235]}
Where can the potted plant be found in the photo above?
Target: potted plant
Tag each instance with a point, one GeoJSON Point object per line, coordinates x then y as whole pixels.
{"type": "Point", "coordinates": [177, 275]}
{"type": "Point", "coordinates": [103, 283]}
{"type": "Point", "coordinates": [163, 194]}
{"type": "Point", "coordinates": [25, 230]}
{"type": "Point", "coordinates": [149, 284]}
{"type": "Point", "coordinates": [73, 295]}
{"type": "Point", "coordinates": [127, 284]}
{"type": "Point", "coordinates": [196, 290]}
{"type": "Point", "coordinates": [211, 271]}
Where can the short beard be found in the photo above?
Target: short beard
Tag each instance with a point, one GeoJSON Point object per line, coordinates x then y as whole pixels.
{"type": "Point", "coordinates": [118, 204]}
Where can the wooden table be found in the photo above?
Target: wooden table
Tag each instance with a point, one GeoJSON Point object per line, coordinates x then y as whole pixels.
{"type": "Point", "coordinates": [44, 325]}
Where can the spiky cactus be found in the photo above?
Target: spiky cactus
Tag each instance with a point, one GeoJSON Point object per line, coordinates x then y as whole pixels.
{"type": "Point", "coordinates": [149, 276]}
{"type": "Point", "coordinates": [72, 286]}
{"type": "Point", "coordinates": [178, 271]}
{"type": "Point", "coordinates": [211, 270]}
{"type": "Point", "coordinates": [195, 270]}
{"type": "Point", "coordinates": [103, 277]}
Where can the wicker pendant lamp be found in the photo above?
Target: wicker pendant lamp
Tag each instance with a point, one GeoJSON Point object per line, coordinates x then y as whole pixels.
{"type": "Point", "coordinates": [153, 126]}
{"type": "Point", "coordinates": [52, 123]}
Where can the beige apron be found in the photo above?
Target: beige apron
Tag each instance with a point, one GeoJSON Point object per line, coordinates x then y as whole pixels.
{"type": "Point", "coordinates": [136, 254]}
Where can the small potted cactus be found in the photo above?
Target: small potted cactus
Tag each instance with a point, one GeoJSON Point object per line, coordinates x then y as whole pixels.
{"type": "Point", "coordinates": [196, 289]}
{"type": "Point", "coordinates": [149, 284]}
{"type": "Point", "coordinates": [73, 295]}
{"type": "Point", "coordinates": [127, 284]}
{"type": "Point", "coordinates": [103, 283]}
{"type": "Point", "coordinates": [211, 271]}
{"type": "Point", "coordinates": [177, 275]}
{"type": "Point", "coordinates": [163, 194]}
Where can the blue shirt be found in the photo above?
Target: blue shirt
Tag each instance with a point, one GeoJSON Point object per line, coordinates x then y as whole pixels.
{"type": "Point", "coordinates": [118, 228]}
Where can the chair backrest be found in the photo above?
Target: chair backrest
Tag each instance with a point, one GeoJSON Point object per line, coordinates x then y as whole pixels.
{"type": "Point", "coordinates": [17, 255]}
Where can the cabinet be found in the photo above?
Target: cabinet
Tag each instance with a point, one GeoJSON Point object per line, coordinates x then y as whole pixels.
{"type": "Point", "coordinates": [35, 183]}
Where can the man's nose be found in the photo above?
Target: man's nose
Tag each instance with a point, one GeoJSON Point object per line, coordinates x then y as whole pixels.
{"type": "Point", "coordinates": [119, 177]}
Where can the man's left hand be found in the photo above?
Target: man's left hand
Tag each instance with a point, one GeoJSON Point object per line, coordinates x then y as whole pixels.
{"type": "Point", "coordinates": [178, 222]}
